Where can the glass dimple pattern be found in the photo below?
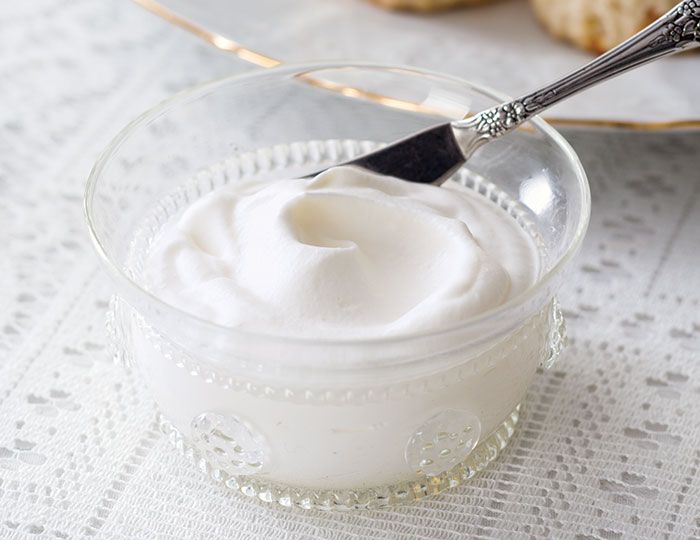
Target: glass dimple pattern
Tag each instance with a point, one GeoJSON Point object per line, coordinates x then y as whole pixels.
{"type": "Point", "coordinates": [229, 444]}
{"type": "Point", "coordinates": [443, 441]}
{"type": "Point", "coordinates": [557, 338]}
{"type": "Point", "coordinates": [348, 499]}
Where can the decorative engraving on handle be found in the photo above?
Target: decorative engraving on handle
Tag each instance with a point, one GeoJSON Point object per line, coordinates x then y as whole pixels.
{"type": "Point", "coordinates": [677, 30]}
{"type": "Point", "coordinates": [495, 122]}
{"type": "Point", "coordinates": [682, 27]}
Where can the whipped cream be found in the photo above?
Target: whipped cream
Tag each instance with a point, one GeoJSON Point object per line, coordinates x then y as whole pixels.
{"type": "Point", "coordinates": [346, 254]}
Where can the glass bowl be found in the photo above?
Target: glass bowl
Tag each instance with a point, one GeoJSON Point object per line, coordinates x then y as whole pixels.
{"type": "Point", "coordinates": [330, 423]}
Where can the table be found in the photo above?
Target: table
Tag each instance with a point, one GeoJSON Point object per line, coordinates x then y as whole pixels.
{"type": "Point", "coordinates": [609, 446]}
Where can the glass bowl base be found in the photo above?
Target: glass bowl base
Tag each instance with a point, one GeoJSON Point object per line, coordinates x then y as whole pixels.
{"type": "Point", "coordinates": [350, 499]}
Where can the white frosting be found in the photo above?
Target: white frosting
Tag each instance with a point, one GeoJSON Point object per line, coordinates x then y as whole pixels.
{"type": "Point", "coordinates": [346, 254]}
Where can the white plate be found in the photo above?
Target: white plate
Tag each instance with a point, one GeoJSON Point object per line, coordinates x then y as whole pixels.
{"type": "Point", "coordinates": [498, 45]}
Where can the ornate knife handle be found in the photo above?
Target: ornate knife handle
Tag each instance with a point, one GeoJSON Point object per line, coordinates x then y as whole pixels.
{"type": "Point", "coordinates": [675, 31]}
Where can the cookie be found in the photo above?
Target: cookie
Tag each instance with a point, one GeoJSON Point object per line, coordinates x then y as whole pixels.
{"type": "Point", "coordinates": [598, 25]}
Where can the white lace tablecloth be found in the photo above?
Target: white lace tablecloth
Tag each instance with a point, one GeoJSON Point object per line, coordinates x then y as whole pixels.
{"type": "Point", "coordinates": [609, 446]}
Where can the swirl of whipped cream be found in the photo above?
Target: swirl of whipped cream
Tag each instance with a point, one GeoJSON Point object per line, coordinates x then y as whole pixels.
{"type": "Point", "coordinates": [346, 254]}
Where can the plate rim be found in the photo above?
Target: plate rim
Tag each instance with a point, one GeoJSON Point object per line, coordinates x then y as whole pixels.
{"type": "Point", "coordinates": [260, 59]}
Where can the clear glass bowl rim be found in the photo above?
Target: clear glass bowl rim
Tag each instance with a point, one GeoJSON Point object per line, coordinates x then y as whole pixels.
{"type": "Point", "coordinates": [123, 280]}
